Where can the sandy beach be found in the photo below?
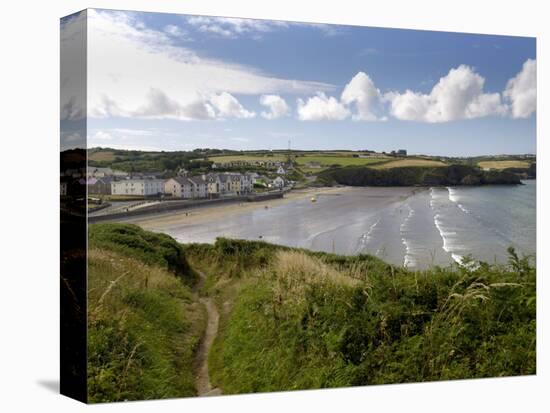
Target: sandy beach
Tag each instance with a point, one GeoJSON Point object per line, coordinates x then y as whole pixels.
{"type": "Point", "coordinates": [411, 226]}
{"type": "Point", "coordinates": [193, 216]}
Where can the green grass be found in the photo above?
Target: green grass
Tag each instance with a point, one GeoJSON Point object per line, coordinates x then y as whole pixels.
{"type": "Point", "coordinates": [303, 320]}
{"type": "Point", "coordinates": [401, 163]}
{"type": "Point", "coordinates": [327, 161]}
{"type": "Point", "coordinates": [295, 319]}
{"type": "Point", "coordinates": [144, 327]}
{"type": "Point", "coordinates": [248, 158]}
{"type": "Point", "coordinates": [151, 248]}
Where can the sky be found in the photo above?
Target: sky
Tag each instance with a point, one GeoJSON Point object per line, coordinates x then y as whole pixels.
{"type": "Point", "coordinates": [175, 82]}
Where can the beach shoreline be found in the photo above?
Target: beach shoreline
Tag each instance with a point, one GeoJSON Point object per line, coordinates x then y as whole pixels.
{"type": "Point", "coordinates": [198, 215]}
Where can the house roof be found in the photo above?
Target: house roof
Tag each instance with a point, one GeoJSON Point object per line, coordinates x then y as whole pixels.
{"type": "Point", "coordinates": [182, 180]}
{"type": "Point", "coordinates": [197, 180]}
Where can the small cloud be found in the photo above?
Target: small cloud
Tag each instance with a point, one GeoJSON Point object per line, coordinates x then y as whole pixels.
{"type": "Point", "coordinates": [277, 106]}
{"type": "Point", "coordinates": [227, 106]}
{"type": "Point", "coordinates": [321, 107]}
{"type": "Point", "coordinates": [521, 90]}
{"type": "Point", "coordinates": [175, 31]}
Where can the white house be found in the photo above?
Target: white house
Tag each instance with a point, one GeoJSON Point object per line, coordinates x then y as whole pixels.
{"type": "Point", "coordinates": [179, 187]}
{"type": "Point", "coordinates": [143, 187]}
{"type": "Point", "coordinates": [278, 182]}
{"type": "Point", "coordinates": [281, 170]}
{"type": "Point", "coordinates": [200, 186]}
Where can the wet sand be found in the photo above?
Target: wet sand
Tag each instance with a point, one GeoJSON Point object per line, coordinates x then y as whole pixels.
{"type": "Point", "coordinates": [339, 221]}
{"type": "Point", "coordinates": [166, 221]}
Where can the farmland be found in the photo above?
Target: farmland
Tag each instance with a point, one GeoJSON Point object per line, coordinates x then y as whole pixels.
{"type": "Point", "coordinates": [323, 159]}
{"type": "Point", "coordinates": [402, 163]}
{"type": "Point", "coordinates": [342, 160]}
{"type": "Point", "coordinates": [98, 156]}
{"type": "Point", "coordinates": [503, 164]}
{"type": "Point", "coordinates": [278, 157]}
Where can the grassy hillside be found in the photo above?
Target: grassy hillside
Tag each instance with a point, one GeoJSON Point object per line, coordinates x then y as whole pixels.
{"type": "Point", "coordinates": [417, 175]}
{"type": "Point", "coordinates": [293, 319]}
{"type": "Point", "coordinates": [144, 322]}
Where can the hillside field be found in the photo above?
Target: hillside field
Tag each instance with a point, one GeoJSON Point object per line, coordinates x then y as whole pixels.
{"type": "Point", "coordinates": [402, 163]}
{"type": "Point", "coordinates": [503, 164]}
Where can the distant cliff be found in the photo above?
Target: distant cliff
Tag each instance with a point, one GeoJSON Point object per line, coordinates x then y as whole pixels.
{"type": "Point", "coordinates": [417, 176]}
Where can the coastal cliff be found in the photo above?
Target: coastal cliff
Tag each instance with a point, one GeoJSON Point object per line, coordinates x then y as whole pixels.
{"type": "Point", "coordinates": [417, 176]}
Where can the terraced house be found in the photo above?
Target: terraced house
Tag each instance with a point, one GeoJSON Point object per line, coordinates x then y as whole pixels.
{"type": "Point", "coordinates": [143, 187]}
{"type": "Point", "coordinates": [187, 187]}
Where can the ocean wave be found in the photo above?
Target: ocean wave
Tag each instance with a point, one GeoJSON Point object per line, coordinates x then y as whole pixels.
{"type": "Point", "coordinates": [453, 197]}
{"type": "Point", "coordinates": [366, 237]}
{"type": "Point", "coordinates": [444, 234]}
{"type": "Point", "coordinates": [407, 258]}
{"type": "Point", "coordinates": [452, 194]}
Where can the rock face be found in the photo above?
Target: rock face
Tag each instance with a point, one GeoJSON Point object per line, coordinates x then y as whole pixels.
{"type": "Point", "coordinates": [417, 176]}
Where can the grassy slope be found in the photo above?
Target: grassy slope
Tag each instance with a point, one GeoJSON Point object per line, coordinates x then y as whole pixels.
{"type": "Point", "coordinates": [309, 320]}
{"type": "Point", "coordinates": [144, 323]}
{"type": "Point", "coordinates": [294, 319]}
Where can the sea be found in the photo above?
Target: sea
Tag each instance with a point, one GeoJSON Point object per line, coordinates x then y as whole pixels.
{"type": "Point", "coordinates": [412, 227]}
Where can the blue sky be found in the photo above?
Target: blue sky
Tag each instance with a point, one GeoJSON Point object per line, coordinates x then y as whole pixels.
{"type": "Point", "coordinates": [173, 82]}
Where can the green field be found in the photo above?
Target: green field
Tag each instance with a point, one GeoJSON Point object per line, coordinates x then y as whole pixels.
{"type": "Point", "coordinates": [401, 163]}
{"type": "Point", "coordinates": [249, 158]}
{"type": "Point", "coordinates": [325, 159]}
{"type": "Point", "coordinates": [328, 160]}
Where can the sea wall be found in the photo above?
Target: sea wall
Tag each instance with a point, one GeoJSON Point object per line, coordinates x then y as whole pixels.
{"type": "Point", "coordinates": [167, 206]}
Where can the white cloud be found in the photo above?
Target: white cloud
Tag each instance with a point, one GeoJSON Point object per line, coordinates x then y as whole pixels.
{"type": "Point", "coordinates": [175, 31]}
{"type": "Point", "coordinates": [521, 90]}
{"type": "Point", "coordinates": [458, 95]}
{"type": "Point", "coordinates": [158, 105]}
{"type": "Point", "coordinates": [232, 27]}
{"type": "Point", "coordinates": [131, 66]}
{"type": "Point", "coordinates": [322, 107]}
{"type": "Point", "coordinates": [362, 92]}
{"type": "Point", "coordinates": [277, 106]}
{"type": "Point", "coordinates": [227, 106]}
{"type": "Point", "coordinates": [101, 136]}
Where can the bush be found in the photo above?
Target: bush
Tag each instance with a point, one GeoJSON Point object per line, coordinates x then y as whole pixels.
{"type": "Point", "coordinates": [149, 247]}
{"type": "Point", "coordinates": [310, 320]}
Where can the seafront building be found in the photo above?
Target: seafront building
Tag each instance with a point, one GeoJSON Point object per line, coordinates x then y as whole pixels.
{"type": "Point", "coordinates": [143, 187]}
{"type": "Point", "coordinates": [211, 185]}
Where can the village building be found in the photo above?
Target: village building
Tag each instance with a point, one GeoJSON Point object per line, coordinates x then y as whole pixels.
{"type": "Point", "coordinates": [213, 185]}
{"type": "Point", "coordinates": [143, 187]}
{"type": "Point", "coordinates": [100, 186]}
{"type": "Point", "coordinates": [97, 172]}
{"type": "Point", "coordinates": [278, 182]}
{"type": "Point", "coordinates": [281, 170]}
{"type": "Point", "coordinates": [200, 186]}
{"type": "Point", "coordinates": [179, 187]}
